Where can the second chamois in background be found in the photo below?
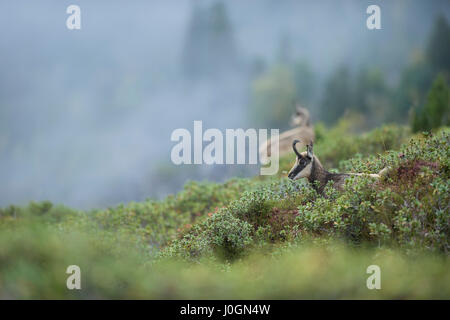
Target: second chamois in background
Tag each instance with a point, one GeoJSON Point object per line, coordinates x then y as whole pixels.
{"type": "Point", "coordinates": [302, 131]}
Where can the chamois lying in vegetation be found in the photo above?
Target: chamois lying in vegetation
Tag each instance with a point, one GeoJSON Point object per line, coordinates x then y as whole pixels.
{"type": "Point", "coordinates": [308, 166]}
{"type": "Point", "coordinates": [302, 130]}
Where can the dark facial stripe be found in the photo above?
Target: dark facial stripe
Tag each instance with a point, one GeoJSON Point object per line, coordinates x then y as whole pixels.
{"type": "Point", "coordinates": [299, 167]}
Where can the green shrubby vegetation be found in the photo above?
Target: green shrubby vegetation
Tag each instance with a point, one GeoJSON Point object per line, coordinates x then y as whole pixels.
{"type": "Point", "coordinates": [407, 208]}
{"type": "Point", "coordinates": [253, 238]}
{"type": "Point", "coordinates": [33, 265]}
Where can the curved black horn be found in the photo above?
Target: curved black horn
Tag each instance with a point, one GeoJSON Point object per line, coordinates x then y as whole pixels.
{"type": "Point", "coordinates": [293, 147]}
{"type": "Point", "coordinates": [309, 149]}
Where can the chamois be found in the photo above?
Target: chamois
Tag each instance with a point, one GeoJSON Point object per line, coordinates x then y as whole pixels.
{"type": "Point", "coordinates": [307, 165]}
{"type": "Point", "coordinates": [302, 130]}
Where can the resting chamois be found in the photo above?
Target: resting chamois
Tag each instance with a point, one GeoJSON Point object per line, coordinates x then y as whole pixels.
{"type": "Point", "coordinates": [308, 166]}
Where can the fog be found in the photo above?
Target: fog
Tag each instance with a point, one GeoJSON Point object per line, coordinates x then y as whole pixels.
{"type": "Point", "coordinates": [86, 115]}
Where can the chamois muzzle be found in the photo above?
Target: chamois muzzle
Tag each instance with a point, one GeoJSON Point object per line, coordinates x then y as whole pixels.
{"type": "Point", "coordinates": [291, 175]}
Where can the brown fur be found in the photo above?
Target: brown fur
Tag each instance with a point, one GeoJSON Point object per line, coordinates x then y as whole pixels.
{"type": "Point", "coordinates": [320, 177]}
{"type": "Point", "coordinates": [304, 132]}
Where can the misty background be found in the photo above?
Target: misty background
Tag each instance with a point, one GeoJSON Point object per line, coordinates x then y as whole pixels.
{"type": "Point", "coordinates": [86, 115]}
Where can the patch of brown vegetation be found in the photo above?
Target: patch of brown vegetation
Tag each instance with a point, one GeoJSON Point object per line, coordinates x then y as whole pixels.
{"type": "Point", "coordinates": [409, 170]}
{"type": "Point", "coordinates": [279, 219]}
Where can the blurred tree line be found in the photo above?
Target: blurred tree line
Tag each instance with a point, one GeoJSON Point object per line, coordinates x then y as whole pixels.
{"type": "Point", "coordinates": [420, 97]}
{"type": "Point", "coordinates": [276, 89]}
{"type": "Point", "coordinates": [210, 49]}
{"type": "Point", "coordinates": [434, 108]}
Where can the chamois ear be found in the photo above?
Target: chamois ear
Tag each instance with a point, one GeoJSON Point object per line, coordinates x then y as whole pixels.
{"type": "Point", "coordinates": [295, 150]}
{"type": "Point", "coordinates": [309, 150]}
{"type": "Point", "coordinates": [298, 108]}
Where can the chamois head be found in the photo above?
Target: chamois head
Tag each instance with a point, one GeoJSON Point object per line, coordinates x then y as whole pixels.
{"type": "Point", "coordinates": [303, 164]}
{"type": "Point", "coordinates": [300, 118]}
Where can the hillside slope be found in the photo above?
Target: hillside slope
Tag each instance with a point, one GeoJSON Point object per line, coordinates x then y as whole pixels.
{"type": "Point", "coordinates": [266, 237]}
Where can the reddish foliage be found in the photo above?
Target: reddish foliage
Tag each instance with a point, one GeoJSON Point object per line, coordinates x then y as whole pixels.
{"type": "Point", "coordinates": [183, 230]}
{"type": "Point", "coordinates": [279, 219]}
{"type": "Point", "coordinates": [409, 170]}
